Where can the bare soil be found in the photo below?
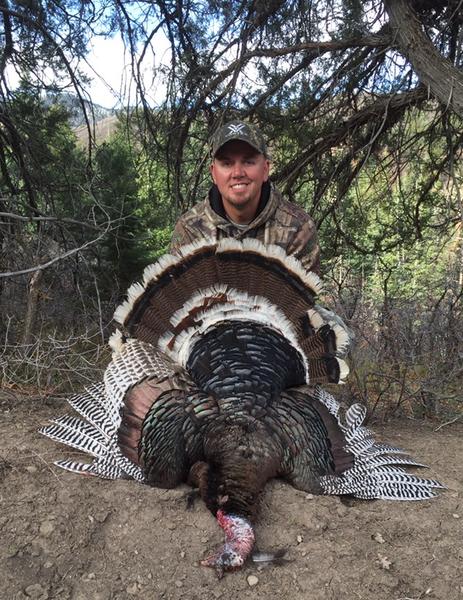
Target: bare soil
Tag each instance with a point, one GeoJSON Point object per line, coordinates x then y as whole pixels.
{"type": "Point", "coordinates": [70, 537]}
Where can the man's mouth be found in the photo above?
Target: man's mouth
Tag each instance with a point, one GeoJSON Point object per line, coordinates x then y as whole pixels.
{"type": "Point", "coordinates": [239, 186]}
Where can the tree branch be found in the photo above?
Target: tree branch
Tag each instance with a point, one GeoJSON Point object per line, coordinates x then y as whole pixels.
{"type": "Point", "coordinates": [16, 217]}
{"type": "Point", "coordinates": [329, 139]}
{"type": "Point", "coordinates": [434, 70]}
{"type": "Point", "coordinates": [56, 259]}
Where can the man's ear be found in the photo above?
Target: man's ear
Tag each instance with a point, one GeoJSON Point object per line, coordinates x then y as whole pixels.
{"type": "Point", "coordinates": [267, 162]}
{"type": "Point", "coordinates": [211, 170]}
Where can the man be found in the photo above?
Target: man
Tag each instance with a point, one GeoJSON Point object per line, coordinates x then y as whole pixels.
{"type": "Point", "coordinates": [243, 203]}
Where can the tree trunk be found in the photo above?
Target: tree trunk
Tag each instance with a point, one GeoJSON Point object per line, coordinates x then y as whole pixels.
{"type": "Point", "coordinates": [444, 81]}
{"type": "Point", "coordinates": [32, 305]}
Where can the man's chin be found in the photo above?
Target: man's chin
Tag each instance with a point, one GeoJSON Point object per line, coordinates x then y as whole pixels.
{"type": "Point", "coordinates": [239, 203]}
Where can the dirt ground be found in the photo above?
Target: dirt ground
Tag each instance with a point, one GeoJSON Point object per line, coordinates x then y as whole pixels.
{"type": "Point", "coordinates": [70, 537]}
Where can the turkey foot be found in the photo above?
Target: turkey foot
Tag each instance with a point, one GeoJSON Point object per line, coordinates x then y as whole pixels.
{"type": "Point", "coordinates": [191, 498]}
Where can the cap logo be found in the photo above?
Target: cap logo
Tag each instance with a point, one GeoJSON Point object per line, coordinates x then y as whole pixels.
{"type": "Point", "coordinates": [235, 129]}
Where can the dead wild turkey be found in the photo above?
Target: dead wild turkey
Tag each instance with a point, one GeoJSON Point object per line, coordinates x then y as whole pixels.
{"type": "Point", "coordinates": [215, 382]}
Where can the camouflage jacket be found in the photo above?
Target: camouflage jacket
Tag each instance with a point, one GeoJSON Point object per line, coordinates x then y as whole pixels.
{"type": "Point", "coordinates": [280, 222]}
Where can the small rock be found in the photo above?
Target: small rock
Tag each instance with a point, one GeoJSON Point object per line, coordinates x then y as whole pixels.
{"type": "Point", "coordinates": [384, 562]}
{"type": "Point", "coordinates": [171, 526]}
{"type": "Point", "coordinates": [299, 539]}
{"type": "Point", "coordinates": [204, 540]}
{"type": "Point", "coordinates": [252, 580]}
{"type": "Point", "coordinates": [48, 564]}
{"type": "Point", "coordinates": [182, 554]}
{"type": "Point", "coordinates": [36, 591]}
{"type": "Point", "coordinates": [91, 519]}
{"type": "Point", "coordinates": [456, 516]}
{"type": "Point", "coordinates": [378, 538]}
{"type": "Point", "coordinates": [217, 594]}
{"type": "Point", "coordinates": [304, 553]}
{"type": "Point", "coordinates": [31, 469]}
{"type": "Point", "coordinates": [101, 517]}
{"type": "Point", "coordinates": [12, 551]}
{"type": "Point", "coordinates": [132, 589]}
{"type": "Point", "coordinates": [309, 496]}
{"type": "Point", "coordinates": [178, 583]}
{"type": "Point", "coordinates": [46, 527]}
{"type": "Point", "coordinates": [35, 549]}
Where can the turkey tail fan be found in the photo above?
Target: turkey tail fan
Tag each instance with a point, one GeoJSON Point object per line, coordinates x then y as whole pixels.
{"type": "Point", "coordinates": [208, 283]}
{"type": "Point", "coordinates": [353, 462]}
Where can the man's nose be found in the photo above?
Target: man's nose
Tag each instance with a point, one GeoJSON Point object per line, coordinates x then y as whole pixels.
{"type": "Point", "coordinates": [238, 169]}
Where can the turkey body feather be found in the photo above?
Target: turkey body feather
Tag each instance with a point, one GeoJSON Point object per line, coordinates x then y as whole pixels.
{"type": "Point", "coordinates": [216, 381]}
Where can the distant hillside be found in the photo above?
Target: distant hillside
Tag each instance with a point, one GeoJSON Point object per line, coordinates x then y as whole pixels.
{"type": "Point", "coordinates": [101, 130]}
{"type": "Point", "coordinates": [71, 102]}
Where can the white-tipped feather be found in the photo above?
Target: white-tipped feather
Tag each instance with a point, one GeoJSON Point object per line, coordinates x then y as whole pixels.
{"type": "Point", "coordinates": [293, 265]}
{"type": "Point", "coordinates": [133, 293]}
{"type": "Point", "coordinates": [343, 370]}
{"type": "Point", "coordinates": [152, 272]}
{"type": "Point", "coordinates": [342, 339]}
{"type": "Point", "coordinates": [319, 317]}
{"type": "Point", "coordinates": [196, 300]}
{"type": "Point", "coordinates": [115, 341]}
{"type": "Point", "coordinates": [193, 248]}
{"type": "Point", "coordinates": [315, 319]}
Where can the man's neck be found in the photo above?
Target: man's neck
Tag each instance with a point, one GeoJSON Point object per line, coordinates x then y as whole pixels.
{"type": "Point", "coordinates": [241, 217]}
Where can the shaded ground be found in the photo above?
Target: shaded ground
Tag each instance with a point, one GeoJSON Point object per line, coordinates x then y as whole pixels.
{"type": "Point", "coordinates": [69, 537]}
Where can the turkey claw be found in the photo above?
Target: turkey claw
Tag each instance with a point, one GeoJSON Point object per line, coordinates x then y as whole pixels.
{"type": "Point", "coordinates": [191, 498]}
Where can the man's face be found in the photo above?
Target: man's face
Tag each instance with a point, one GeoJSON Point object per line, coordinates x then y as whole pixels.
{"type": "Point", "coordinates": [239, 171]}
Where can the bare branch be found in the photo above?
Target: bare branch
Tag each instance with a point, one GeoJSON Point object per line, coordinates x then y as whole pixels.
{"type": "Point", "coordinates": [56, 259]}
{"type": "Point", "coordinates": [45, 218]}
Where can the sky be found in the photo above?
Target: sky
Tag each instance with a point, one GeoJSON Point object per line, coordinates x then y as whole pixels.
{"type": "Point", "coordinates": [109, 67]}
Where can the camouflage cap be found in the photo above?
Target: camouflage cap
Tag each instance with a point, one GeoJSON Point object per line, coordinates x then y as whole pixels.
{"type": "Point", "coordinates": [238, 130]}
